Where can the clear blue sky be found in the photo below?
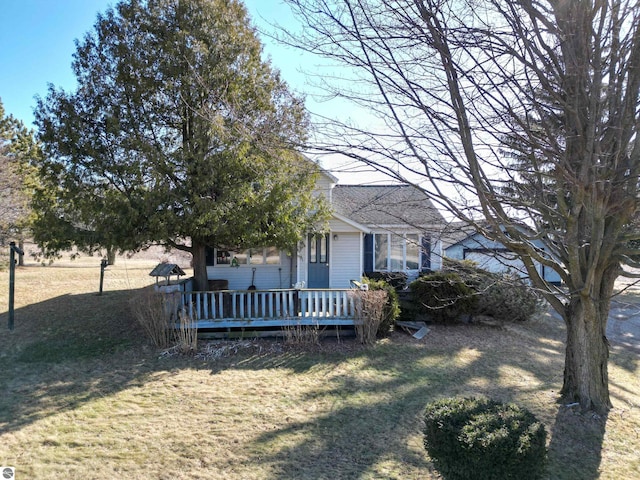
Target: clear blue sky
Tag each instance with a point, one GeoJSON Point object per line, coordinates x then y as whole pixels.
{"type": "Point", "coordinates": [37, 43]}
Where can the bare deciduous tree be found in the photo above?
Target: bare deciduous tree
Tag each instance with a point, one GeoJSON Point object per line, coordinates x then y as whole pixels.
{"type": "Point", "coordinates": [462, 87]}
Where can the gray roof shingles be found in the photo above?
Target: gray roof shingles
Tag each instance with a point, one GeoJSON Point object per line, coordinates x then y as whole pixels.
{"type": "Point", "coordinates": [386, 205]}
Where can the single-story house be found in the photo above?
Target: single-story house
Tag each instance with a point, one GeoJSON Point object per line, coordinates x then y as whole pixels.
{"type": "Point", "coordinates": [493, 256]}
{"type": "Point", "coordinates": [382, 228]}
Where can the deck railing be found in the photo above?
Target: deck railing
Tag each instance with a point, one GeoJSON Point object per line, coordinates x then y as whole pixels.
{"type": "Point", "coordinates": [270, 307]}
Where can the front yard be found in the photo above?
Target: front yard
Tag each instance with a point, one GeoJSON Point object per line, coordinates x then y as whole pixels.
{"type": "Point", "coordinates": [84, 396]}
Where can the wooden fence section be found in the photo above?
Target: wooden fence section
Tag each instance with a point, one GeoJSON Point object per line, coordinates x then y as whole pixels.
{"type": "Point", "coordinates": [269, 308]}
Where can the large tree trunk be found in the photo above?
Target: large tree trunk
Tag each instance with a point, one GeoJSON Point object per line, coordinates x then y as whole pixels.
{"type": "Point", "coordinates": [199, 259]}
{"type": "Point", "coordinates": [586, 377]}
{"type": "Point", "coordinates": [111, 256]}
{"type": "Point", "coordinates": [21, 255]}
{"type": "Point", "coordinates": [586, 357]}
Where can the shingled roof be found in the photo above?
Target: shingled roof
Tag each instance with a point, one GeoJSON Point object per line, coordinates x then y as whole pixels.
{"type": "Point", "coordinates": [385, 205]}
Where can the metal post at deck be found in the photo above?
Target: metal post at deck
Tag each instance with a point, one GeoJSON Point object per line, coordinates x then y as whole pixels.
{"type": "Point", "coordinates": [12, 279]}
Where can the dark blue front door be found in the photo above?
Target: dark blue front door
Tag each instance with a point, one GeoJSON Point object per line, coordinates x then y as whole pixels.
{"type": "Point", "coordinates": [318, 261]}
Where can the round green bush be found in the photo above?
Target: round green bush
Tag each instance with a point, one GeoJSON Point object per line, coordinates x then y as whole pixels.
{"type": "Point", "coordinates": [480, 439]}
{"type": "Point", "coordinates": [443, 296]}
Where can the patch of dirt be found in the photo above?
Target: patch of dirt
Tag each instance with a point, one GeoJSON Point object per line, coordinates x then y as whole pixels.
{"type": "Point", "coordinates": [439, 336]}
{"type": "Point", "coordinates": [224, 348]}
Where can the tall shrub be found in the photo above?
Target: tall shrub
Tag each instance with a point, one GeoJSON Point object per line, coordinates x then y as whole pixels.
{"type": "Point", "coordinates": [370, 306]}
{"type": "Point", "coordinates": [391, 310]}
{"type": "Point", "coordinates": [156, 313]}
{"type": "Point", "coordinates": [397, 280]}
{"type": "Point", "coordinates": [186, 333]}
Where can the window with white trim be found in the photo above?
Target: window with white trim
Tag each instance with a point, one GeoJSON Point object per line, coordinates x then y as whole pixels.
{"type": "Point", "coordinates": [251, 256]}
{"type": "Point", "coordinates": [395, 253]}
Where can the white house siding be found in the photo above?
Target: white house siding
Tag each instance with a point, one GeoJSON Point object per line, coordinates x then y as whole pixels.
{"type": "Point", "coordinates": [324, 184]}
{"type": "Point", "coordinates": [455, 252]}
{"type": "Point", "coordinates": [346, 259]}
{"type": "Point", "coordinates": [345, 255]}
{"type": "Point", "coordinates": [498, 261]}
{"type": "Point", "coordinates": [266, 277]}
{"type": "Point", "coordinates": [489, 254]}
{"type": "Point", "coordinates": [338, 226]}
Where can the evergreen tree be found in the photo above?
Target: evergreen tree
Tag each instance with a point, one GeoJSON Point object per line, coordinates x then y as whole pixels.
{"type": "Point", "coordinates": [178, 133]}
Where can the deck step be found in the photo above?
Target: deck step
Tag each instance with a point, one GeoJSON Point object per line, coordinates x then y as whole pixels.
{"type": "Point", "coordinates": [420, 327]}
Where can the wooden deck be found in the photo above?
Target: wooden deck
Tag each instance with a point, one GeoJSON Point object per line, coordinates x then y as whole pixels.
{"type": "Point", "coordinates": [247, 309]}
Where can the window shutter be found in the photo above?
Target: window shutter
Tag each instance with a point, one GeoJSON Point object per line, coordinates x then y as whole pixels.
{"type": "Point", "coordinates": [426, 254]}
{"type": "Point", "coordinates": [210, 256]}
{"type": "Point", "coordinates": [368, 252]}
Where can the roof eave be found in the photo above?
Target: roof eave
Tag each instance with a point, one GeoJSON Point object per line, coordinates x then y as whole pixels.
{"type": "Point", "coordinates": [353, 223]}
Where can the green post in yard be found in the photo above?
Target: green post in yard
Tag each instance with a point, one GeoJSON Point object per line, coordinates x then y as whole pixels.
{"type": "Point", "coordinates": [103, 264]}
{"type": "Point", "coordinates": [12, 279]}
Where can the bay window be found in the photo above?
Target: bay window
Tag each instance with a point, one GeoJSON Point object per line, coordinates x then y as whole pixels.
{"type": "Point", "coordinates": [396, 252]}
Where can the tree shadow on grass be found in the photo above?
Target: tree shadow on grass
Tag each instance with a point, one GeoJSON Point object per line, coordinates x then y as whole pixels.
{"type": "Point", "coordinates": [376, 418]}
{"type": "Point", "coordinates": [575, 449]}
{"type": "Point", "coordinates": [370, 421]}
{"type": "Point", "coordinates": [66, 351]}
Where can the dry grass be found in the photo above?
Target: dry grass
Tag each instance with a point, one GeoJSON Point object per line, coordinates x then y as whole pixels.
{"type": "Point", "coordinates": [186, 335]}
{"type": "Point", "coordinates": [302, 335]}
{"type": "Point", "coordinates": [85, 397]}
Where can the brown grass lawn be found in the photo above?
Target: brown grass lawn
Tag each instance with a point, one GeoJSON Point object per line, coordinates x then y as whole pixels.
{"type": "Point", "coordinates": [83, 396]}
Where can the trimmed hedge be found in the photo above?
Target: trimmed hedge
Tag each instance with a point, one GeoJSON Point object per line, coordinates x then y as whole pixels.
{"type": "Point", "coordinates": [480, 439]}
